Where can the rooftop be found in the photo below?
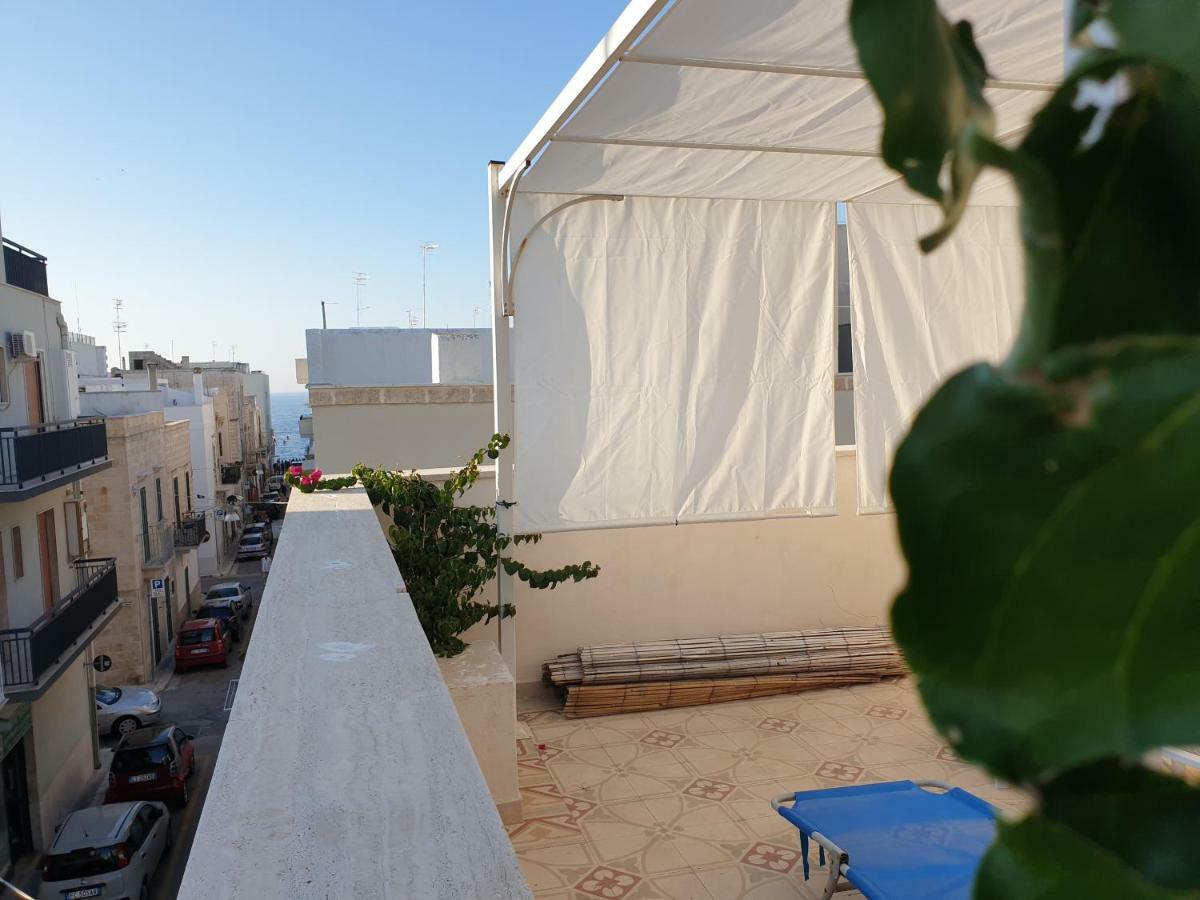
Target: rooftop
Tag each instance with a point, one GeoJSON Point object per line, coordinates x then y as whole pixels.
{"type": "Point", "coordinates": [676, 803]}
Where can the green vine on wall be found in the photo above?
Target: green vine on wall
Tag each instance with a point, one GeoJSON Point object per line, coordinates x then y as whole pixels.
{"type": "Point", "coordinates": [447, 553]}
{"type": "Point", "coordinates": [1049, 507]}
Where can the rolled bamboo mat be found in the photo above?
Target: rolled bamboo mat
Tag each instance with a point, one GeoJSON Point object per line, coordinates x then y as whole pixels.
{"type": "Point", "coordinates": [610, 699]}
{"type": "Point", "coordinates": [858, 651]}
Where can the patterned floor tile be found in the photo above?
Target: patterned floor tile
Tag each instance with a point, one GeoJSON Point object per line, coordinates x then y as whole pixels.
{"type": "Point", "coordinates": [675, 804]}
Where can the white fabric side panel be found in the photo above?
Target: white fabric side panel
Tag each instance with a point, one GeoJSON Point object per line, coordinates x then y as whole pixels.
{"type": "Point", "coordinates": [673, 360]}
{"type": "Point", "coordinates": [920, 318]}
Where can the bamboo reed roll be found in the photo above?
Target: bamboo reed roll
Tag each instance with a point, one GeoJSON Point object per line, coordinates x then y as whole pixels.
{"type": "Point", "coordinates": [862, 651]}
{"type": "Point", "coordinates": [604, 700]}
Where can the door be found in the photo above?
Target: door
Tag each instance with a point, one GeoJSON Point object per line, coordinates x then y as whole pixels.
{"type": "Point", "coordinates": [16, 801]}
{"type": "Point", "coordinates": [48, 550]}
{"type": "Point", "coordinates": [34, 401]}
{"type": "Point", "coordinates": [155, 649]}
{"type": "Point", "coordinates": [170, 611]}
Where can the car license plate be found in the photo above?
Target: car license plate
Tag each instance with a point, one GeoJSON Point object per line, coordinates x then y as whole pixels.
{"type": "Point", "coordinates": [84, 892]}
{"type": "Point", "coordinates": [134, 779]}
{"type": "Point", "coordinates": [199, 652]}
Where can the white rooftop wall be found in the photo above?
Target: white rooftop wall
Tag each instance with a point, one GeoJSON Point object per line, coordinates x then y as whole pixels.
{"type": "Point", "coordinates": [394, 356]}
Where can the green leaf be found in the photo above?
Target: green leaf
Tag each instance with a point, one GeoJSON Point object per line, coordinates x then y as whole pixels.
{"type": "Point", "coordinates": [1125, 192]}
{"type": "Point", "coordinates": [1165, 31]}
{"type": "Point", "coordinates": [935, 109]}
{"type": "Point", "coordinates": [1105, 831]}
{"type": "Point", "coordinates": [1051, 522]}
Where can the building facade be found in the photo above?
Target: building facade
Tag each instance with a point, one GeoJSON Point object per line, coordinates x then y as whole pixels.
{"type": "Point", "coordinates": [138, 513]}
{"type": "Point", "coordinates": [57, 594]}
{"type": "Point", "coordinates": [403, 398]}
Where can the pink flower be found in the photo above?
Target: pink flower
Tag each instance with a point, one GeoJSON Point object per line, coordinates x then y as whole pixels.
{"type": "Point", "coordinates": [307, 481]}
{"type": "Point", "coordinates": [296, 470]}
{"type": "Point", "coordinates": [316, 474]}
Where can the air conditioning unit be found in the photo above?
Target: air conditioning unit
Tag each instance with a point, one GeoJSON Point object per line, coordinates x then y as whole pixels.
{"type": "Point", "coordinates": [22, 344]}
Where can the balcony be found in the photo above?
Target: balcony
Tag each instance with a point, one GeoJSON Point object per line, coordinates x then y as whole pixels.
{"type": "Point", "coordinates": [39, 458]}
{"type": "Point", "coordinates": [32, 657]}
{"type": "Point", "coordinates": [191, 531]}
{"type": "Point", "coordinates": [24, 268]}
{"type": "Point", "coordinates": [158, 545]}
{"type": "Point", "coordinates": [231, 474]}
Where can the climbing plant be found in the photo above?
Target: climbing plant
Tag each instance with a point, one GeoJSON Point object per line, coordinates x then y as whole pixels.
{"type": "Point", "coordinates": [447, 552]}
{"type": "Point", "coordinates": [1049, 507]}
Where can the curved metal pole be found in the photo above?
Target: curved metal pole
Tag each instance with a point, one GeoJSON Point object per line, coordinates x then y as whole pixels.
{"type": "Point", "coordinates": [511, 270]}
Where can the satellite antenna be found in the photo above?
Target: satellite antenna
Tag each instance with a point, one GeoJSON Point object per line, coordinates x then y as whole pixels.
{"type": "Point", "coordinates": [359, 279]}
{"type": "Point", "coordinates": [119, 328]}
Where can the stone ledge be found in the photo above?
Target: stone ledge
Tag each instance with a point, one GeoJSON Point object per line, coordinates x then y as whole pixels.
{"type": "Point", "coordinates": [399, 395]}
{"type": "Point", "coordinates": [344, 771]}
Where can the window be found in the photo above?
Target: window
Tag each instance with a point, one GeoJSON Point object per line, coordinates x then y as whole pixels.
{"type": "Point", "coordinates": [18, 553]}
{"type": "Point", "coordinates": [145, 526]}
{"type": "Point", "coordinates": [187, 586]}
{"type": "Point", "coordinates": [178, 515]}
{"type": "Point", "coordinates": [187, 483]}
{"type": "Point", "coordinates": [197, 636]}
{"type": "Point", "coordinates": [220, 445]}
{"type": "Point", "coordinates": [158, 497]}
{"type": "Point", "coordinates": [4, 395]}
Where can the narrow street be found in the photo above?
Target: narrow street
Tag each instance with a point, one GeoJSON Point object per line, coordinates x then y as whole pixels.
{"type": "Point", "coordinates": [199, 701]}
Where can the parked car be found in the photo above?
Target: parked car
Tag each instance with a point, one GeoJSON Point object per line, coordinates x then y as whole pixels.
{"type": "Point", "coordinates": [262, 528]}
{"type": "Point", "coordinates": [252, 546]}
{"type": "Point", "coordinates": [203, 642]}
{"type": "Point", "coordinates": [231, 593]}
{"type": "Point", "coordinates": [107, 851]}
{"type": "Point", "coordinates": [120, 710]}
{"type": "Point", "coordinates": [228, 616]}
{"type": "Point", "coordinates": [152, 764]}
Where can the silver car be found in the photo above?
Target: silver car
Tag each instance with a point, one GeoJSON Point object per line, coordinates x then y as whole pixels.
{"type": "Point", "coordinates": [233, 594]}
{"type": "Point", "coordinates": [252, 546]}
{"type": "Point", "coordinates": [106, 851]}
{"type": "Point", "coordinates": [121, 710]}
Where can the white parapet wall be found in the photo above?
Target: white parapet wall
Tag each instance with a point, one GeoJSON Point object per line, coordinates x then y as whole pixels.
{"type": "Point", "coordinates": [344, 770]}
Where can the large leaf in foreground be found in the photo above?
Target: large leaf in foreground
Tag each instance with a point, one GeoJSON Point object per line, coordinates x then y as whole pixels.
{"type": "Point", "coordinates": [1104, 831]}
{"type": "Point", "coordinates": [1052, 529]}
{"type": "Point", "coordinates": [929, 78]}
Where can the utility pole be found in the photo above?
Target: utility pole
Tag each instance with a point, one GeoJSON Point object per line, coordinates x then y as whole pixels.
{"type": "Point", "coordinates": [426, 248]}
{"type": "Point", "coordinates": [119, 328]}
{"type": "Point", "coordinates": [359, 279]}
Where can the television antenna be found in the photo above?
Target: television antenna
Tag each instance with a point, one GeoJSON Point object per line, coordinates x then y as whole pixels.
{"type": "Point", "coordinates": [475, 317]}
{"type": "Point", "coordinates": [119, 328]}
{"type": "Point", "coordinates": [427, 247]}
{"type": "Point", "coordinates": [359, 279]}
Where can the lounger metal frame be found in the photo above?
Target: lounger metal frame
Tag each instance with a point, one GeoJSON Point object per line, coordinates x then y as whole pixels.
{"type": "Point", "coordinates": [839, 859]}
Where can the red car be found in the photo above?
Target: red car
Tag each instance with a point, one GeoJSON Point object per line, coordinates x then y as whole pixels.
{"type": "Point", "coordinates": [203, 642]}
{"type": "Point", "coordinates": [152, 764]}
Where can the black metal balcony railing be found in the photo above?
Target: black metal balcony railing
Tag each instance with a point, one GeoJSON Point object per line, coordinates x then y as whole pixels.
{"type": "Point", "coordinates": [231, 474]}
{"type": "Point", "coordinates": [191, 530]}
{"type": "Point", "coordinates": [24, 268]}
{"type": "Point", "coordinates": [27, 653]}
{"type": "Point", "coordinates": [158, 544]}
{"type": "Point", "coordinates": [39, 455]}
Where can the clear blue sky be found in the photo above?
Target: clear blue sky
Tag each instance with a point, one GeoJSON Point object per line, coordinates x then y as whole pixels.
{"type": "Point", "coordinates": [224, 166]}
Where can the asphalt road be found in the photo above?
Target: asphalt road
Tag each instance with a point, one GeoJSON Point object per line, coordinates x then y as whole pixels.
{"type": "Point", "coordinates": [199, 701]}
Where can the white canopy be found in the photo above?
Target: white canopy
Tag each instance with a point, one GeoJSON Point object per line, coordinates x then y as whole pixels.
{"type": "Point", "coordinates": [673, 354]}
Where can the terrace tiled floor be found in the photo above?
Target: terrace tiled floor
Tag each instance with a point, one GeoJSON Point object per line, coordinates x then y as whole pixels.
{"type": "Point", "coordinates": [675, 804]}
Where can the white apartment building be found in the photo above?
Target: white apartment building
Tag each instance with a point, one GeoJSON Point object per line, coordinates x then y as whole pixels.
{"type": "Point", "coordinates": [398, 397]}
{"type": "Point", "coordinates": [55, 597]}
{"type": "Point", "coordinates": [131, 393]}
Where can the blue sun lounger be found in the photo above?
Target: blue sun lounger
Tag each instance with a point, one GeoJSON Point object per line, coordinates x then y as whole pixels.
{"type": "Point", "coordinates": [894, 841]}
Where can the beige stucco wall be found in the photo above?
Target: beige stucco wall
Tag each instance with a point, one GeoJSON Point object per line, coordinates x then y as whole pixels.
{"type": "Point", "coordinates": [61, 741]}
{"type": "Point", "coordinates": [143, 448]}
{"type": "Point", "coordinates": [24, 594]}
{"type": "Point", "coordinates": [707, 579]}
{"type": "Point", "coordinates": [399, 427]}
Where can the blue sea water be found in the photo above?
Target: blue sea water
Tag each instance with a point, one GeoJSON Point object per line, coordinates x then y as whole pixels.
{"type": "Point", "coordinates": [286, 410]}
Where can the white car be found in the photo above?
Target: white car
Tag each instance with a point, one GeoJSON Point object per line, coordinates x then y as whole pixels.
{"type": "Point", "coordinates": [122, 710]}
{"type": "Point", "coordinates": [108, 851]}
{"type": "Point", "coordinates": [233, 594]}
